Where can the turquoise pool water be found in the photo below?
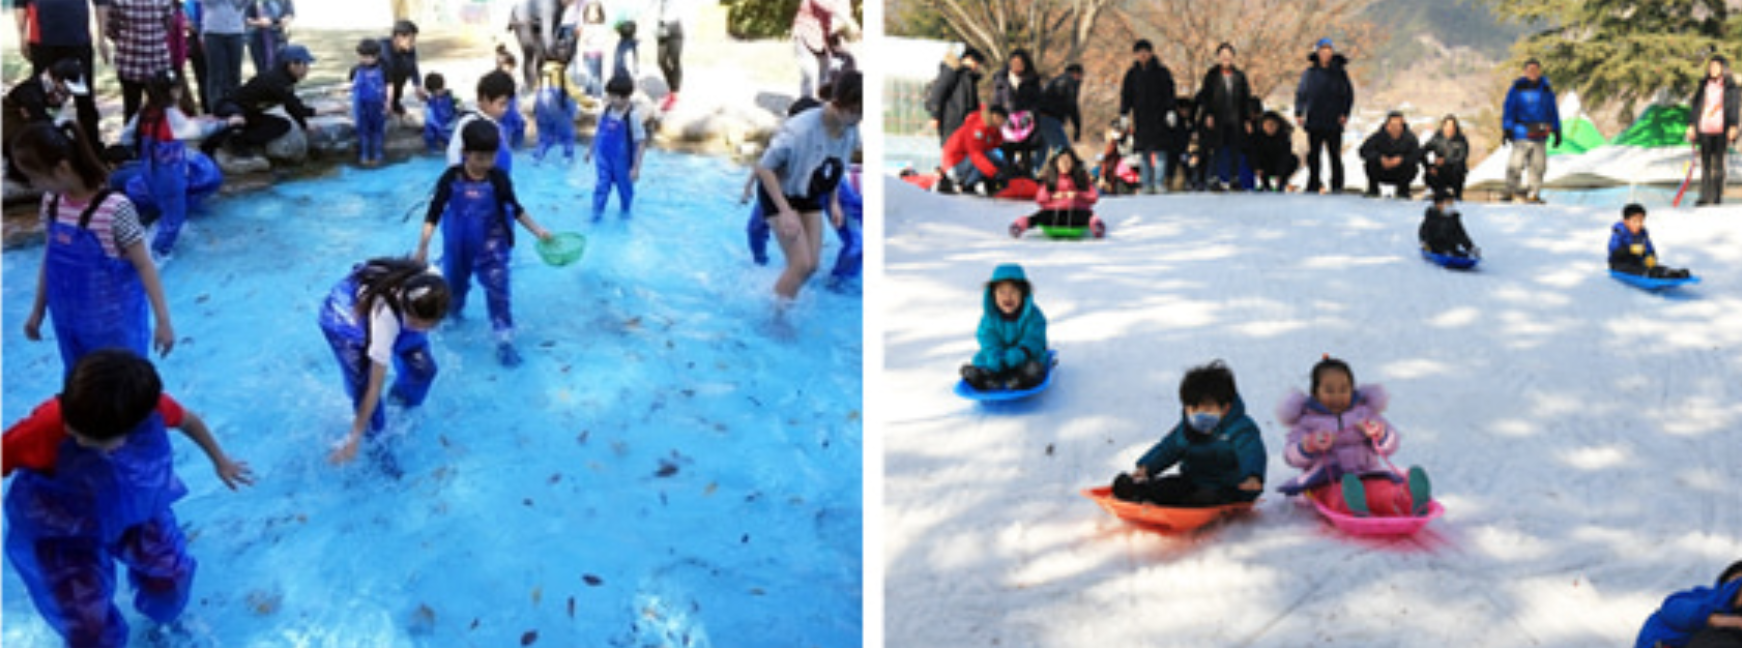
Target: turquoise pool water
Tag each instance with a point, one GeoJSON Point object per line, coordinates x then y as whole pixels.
{"type": "Point", "coordinates": [660, 471]}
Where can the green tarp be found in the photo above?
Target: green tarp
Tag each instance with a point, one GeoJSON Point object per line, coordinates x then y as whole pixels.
{"type": "Point", "coordinates": [1580, 136]}
{"type": "Point", "coordinates": [1659, 127]}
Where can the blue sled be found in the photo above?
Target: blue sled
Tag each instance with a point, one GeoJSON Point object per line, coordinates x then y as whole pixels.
{"type": "Point", "coordinates": [967, 391]}
{"type": "Point", "coordinates": [1653, 284]}
{"type": "Point", "coordinates": [1450, 261]}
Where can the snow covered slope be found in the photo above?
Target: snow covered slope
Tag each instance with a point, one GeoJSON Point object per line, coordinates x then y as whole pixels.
{"type": "Point", "coordinates": [1582, 435]}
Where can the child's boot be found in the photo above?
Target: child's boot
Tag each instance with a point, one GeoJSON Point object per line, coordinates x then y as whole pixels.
{"type": "Point", "coordinates": [1355, 495]}
{"type": "Point", "coordinates": [1420, 490]}
{"type": "Point", "coordinates": [977, 377]}
{"type": "Point", "coordinates": [506, 355]}
{"type": "Point", "coordinates": [1098, 228]}
{"type": "Point", "coordinates": [1018, 227]}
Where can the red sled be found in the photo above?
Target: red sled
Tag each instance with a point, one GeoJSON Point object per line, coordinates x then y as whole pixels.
{"type": "Point", "coordinates": [1162, 518]}
{"type": "Point", "coordinates": [921, 180]}
{"type": "Point", "coordinates": [1375, 525]}
{"type": "Point", "coordinates": [1019, 189]}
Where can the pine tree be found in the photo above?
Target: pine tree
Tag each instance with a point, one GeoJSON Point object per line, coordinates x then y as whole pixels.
{"type": "Point", "coordinates": [1624, 51]}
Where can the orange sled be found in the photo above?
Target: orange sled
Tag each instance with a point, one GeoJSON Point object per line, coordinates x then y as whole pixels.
{"type": "Point", "coordinates": [1160, 517]}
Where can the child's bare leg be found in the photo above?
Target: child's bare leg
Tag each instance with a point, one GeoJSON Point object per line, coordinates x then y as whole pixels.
{"type": "Point", "coordinates": [800, 249]}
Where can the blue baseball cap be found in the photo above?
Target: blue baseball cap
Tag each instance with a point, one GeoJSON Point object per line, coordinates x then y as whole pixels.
{"type": "Point", "coordinates": [295, 54]}
{"type": "Point", "coordinates": [1324, 42]}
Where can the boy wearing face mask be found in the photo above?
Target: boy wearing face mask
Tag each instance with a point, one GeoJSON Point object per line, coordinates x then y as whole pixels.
{"type": "Point", "coordinates": [1218, 448]}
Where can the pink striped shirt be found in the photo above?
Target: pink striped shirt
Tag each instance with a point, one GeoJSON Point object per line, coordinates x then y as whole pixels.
{"type": "Point", "coordinates": [115, 222]}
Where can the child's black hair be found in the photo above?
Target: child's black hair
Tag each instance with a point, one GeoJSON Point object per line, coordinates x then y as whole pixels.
{"type": "Point", "coordinates": [620, 85]}
{"type": "Point", "coordinates": [404, 28]}
{"type": "Point", "coordinates": [434, 82]}
{"type": "Point", "coordinates": [1074, 68]}
{"type": "Point", "coordinates": [848, 89]}
{"type": "Point", "coordinates": [1631, 210]}
{"type": "Point", "coordinates": [480, 136]}
{"type": "Point", "coordinates": [42, 146]}
{"type": "Point", "coordinates": [1079, 175]}
{"type": "Point", "coordinates": [420, 293]}
{"type": "Point", "coordinates": [1226, 46]}
{"type": "Point", "coordinates": [998, 110]}
{"type": "Point", "coordinates": [495, 84]}
{"type": "Point", "coordinates": [1732, 572]}
{"type": "Point", "coordinates": [369, 47]}
{"type": "Point", "coordinates": [626, 29]}
{"type": "Point", "coordinates": [1213, 383]}
{"type": "Point", "coordinates": [159, 98]}
{"type": "Point", "coordinates": [1329, 363]}
{"type": "Point", "coordinates": [108, 393]}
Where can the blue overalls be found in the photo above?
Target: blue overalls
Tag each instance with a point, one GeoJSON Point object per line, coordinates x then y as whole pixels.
{"type": "Point", "coordinates": [556, 122]}
{"type": "Point", "coordinates": [347, 333]}
{"type": "Point", "coordinates": [851, 259]}
{"type": "Point", "coordinates": [477, 239]}
{"type": "Point", "coordinates": [614, 146]}
{"type": "Point", "coordinates": [439, 114]}
{"type": "Point", "coordinates": [369, 110]}
{"type": "Point", "coordinates": [166, 176]}
{"type": "Point", "coordinates": [513, 124]}
{"type": "Point", "coordinates": [95, 300]}
{"type": "Point", "coordinates": [66, 528]}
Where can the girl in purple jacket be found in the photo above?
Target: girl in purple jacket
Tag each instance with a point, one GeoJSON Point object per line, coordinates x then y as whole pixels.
{"type": "Point", "coordinates": [1339, 438]}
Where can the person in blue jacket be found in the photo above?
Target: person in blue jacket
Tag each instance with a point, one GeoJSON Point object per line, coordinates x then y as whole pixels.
{"type": "Point", "coordinates": [1219, 449]}
{"type": "Point", "coordinates": [1702, 617]}
{"type": "Point", "coordinates": [1529, 120]}
{"type": "Point", "coordinates": [1012, 335]}
{"type": "Point", "coordinates": [1322, 102]}
{"type": "Point", "coordinates": [1630, 248]}
{"type": "Point", "coordinates": [369, 102]}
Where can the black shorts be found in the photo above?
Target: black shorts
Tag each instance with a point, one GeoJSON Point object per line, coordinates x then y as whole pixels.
{"type": "Point", "coordinates": [800, 204]}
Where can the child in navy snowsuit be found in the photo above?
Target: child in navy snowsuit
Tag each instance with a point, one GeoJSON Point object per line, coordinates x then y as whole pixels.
{"type": "Point", "coordinates": [1219, 449]}
{"type": "Point", "coordinates": [439, 113]}
{"type": "Point", "coordinates": [475, 205]}
{"type": "Point", "coordinates": [1012, 335]}
{"type": "Point", "coordinates": [555, 111]}
{"type": "Point", "coordinates": [95, 482]}
{"type": "Point", "coordinates": [513, 123]}
{"type": "Point", "coordinates": [97, 280]}
{"type": "Point", "coordinates": [1707, 617]}
{"type": "Point", "coordinates": [1630, 248]}
{"type": "Point", "coordinates": [1442, 229]}
{"type": "Point", "coordinates": [617, 142]}
{"type": "Point", "coordinates": [369, 102]}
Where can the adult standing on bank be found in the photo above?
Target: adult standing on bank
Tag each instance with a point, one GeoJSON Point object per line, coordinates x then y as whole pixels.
{"type": "Point", "coordinates": [1322, 103]}
{"type": "Point", "coordinates": [51, 30]}
{"type": "Point", "coordinates": [399, 64]}
{"type": "Point", "coordinates": [1058, 104]}
{"type": "Point", "coordinates": [1712, 125]}
{"type": "Point", "coordinates": [955, 94]}
{"type": "Point", "coordinates": [1530, 118]}
{"type": "Point", "coordinates": [534, 23]}
{"type": "Point", "coordinates": [268, 31]}
{"type": "Point", "coordinates": [222, 32]}
{"type": "Point", "coordinates": [812, 25]}
{"type": "Point", "coordinates": [139, 29]}
{"type": "Point", "coordinates": [1146, 102]}
{"type": "Point", "coordinates": [675, 18]}
{"type": "Point", "coordinates": [1222, 99]}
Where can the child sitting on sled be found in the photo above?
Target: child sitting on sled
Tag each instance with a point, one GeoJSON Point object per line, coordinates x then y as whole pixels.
{"type": "Point", "coordinates": [1442, 229]}
{"type": "Point", "coordinates": [1339, 438]}
{"type": "Point", "coordinates": [1702, 617]}
{"type": "Point", "coordinates": [1630, 248]}
{"type": "Point", "coordinates": [1066, 196]}
{"type": "Point", "coordinates": [1218, 448]}
{"type": "Point", "coordinates": [1012, 335]}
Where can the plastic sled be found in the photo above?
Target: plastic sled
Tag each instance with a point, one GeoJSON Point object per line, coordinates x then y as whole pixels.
{"type": "Point", "coordinates": [562, 249]}
{"type": "Point", "coordinates": [967, 391]}
{"type": "Point", "coordinates": [1064, 232]}
{"type": "Point", "coordinates": [1653, 284]}
{"type": "Point", "coordinates": [1450, 261]}
{"type": "Point", "coordinates": [921, 180]}
{"type": "Point", "coordinates": [1161, 517]}
{"type": "Point", "coordinates": [1375, 525]}
{"type": "Point", "coordinates": [1019, 189]}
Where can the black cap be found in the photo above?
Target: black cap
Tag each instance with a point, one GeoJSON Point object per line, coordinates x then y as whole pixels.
{"type": "Point", "coordinates": [1142, 44]}
{"type": "Point", "coordinates": [404, 27]}
{"type": "Point", "coordinates": [971, 53]}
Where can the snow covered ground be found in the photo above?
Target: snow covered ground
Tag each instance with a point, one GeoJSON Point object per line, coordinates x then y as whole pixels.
{"type": "Point", "coordinates": [1581, 434]}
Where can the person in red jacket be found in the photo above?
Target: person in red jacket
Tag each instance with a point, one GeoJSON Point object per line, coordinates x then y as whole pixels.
{"type": "Point", "coordinates": [968, 156]}
{"type": "Point", "coordinates": [1067, 198]}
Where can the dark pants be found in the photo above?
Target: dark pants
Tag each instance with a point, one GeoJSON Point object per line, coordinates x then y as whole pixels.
{"type": "Point", "coordinates": [1712, 150]}
{"type": "Point", "coordinates": [671, 55]}
{"type": "Point", "coordinates": [1655, 272]}
{"type": "Point", "coordinates": [223, 66]}
{"type": "Point", "coordinates": [1445, 178]}
{"type": "Point", "coordinates": [1031, 373]}
{"type": "Point", "coordinates": [43, 56]}
{"type": "Point", "coordinates": [1177, 491]}
{"type": "Point", "coordinates": [1716, 638]}
{"type": "Point", "coordinates": [263, 46]}
{"type": "Point", "coordinates": [1280, 168]}
{"type": "Point", "coordinates": [1331, 141]}
{"type": "Point", "coordinates": [1060, 218]}
{"type": "Point", "coordinates": [132, 96]}
{"type": "Point", "coordinates": [260, 129]}
{"type": "Point", "coordinates": [197, 60]}
{"type": "Point", "coordinates": [531, 51]}
{"type": "Point", "coordinates": [396, 79]}
{"type": "Point", "coordinates": [1400, 175]}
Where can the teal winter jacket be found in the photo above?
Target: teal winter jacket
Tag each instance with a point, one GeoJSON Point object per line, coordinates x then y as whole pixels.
{"type": "Point", "coordinates": [1226, 456]}
{"type": "Point", "coordinates": [1007, 343]}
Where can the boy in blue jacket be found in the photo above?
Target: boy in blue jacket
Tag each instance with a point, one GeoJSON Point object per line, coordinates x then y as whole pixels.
{"type": "Point", "coordinates": [1218, 448]}
{"type": "Point", "coordinates": [1012, 335]}
{"type": "Point", "coordinates": [1630, 248]}
{"type": "Point", "coordinates": [1699, 617]}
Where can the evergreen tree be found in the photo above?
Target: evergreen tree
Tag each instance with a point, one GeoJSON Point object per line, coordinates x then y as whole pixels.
{"type": "Point", "coordinates": [1624, 51]}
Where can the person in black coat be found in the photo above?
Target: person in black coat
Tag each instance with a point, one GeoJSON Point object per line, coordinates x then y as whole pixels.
{"type": "Point", "coordinates": [1442, 229]}
{"type": "Point", "coordinates": [1272, 153]}
{"type": "Point", "coordinates": [35, 100]}
{"type": "Point", "coordinates": [1058, 104]}
{"type": "Point", "coordinates": [1016, 88]}
{"type": "Point", "coordinates": [1712, 124]}
{"type": "Point", "coordinates": [1445, 159]}
{"type": "Point", "coordinates": [1321, 105]}
{"type": "Point", "coordinates": [1391, 155]}
{"type": "Point", "coordinates": [275, 87]}
{"type": "Point", "coordinates": [1222, 100]}
{"type": "Point", "coordinates": [955, 94]}
{"type": "Point", "coordinates": [1146, 100]}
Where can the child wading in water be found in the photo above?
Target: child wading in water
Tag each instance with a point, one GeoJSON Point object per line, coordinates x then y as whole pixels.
{"type": "Point", "coordinates": [618, 142]}
{"type": "Point", "coordinates": [96, 478]}
{"type": "Point", "coordinates": [157, 134]}
{"type": "Point", "coordinates": [1339, 439]}
{"type": "Point", "coordinates": [475, 205]}
{"type": "Point", "coordinates": [369, 103]}
{"type": "Point", "coordinates": [96, 278]}
{"type": "Point", "coordinates": [1218, 448]}
{"type": "Point", "coordinates": [1012, 335]}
